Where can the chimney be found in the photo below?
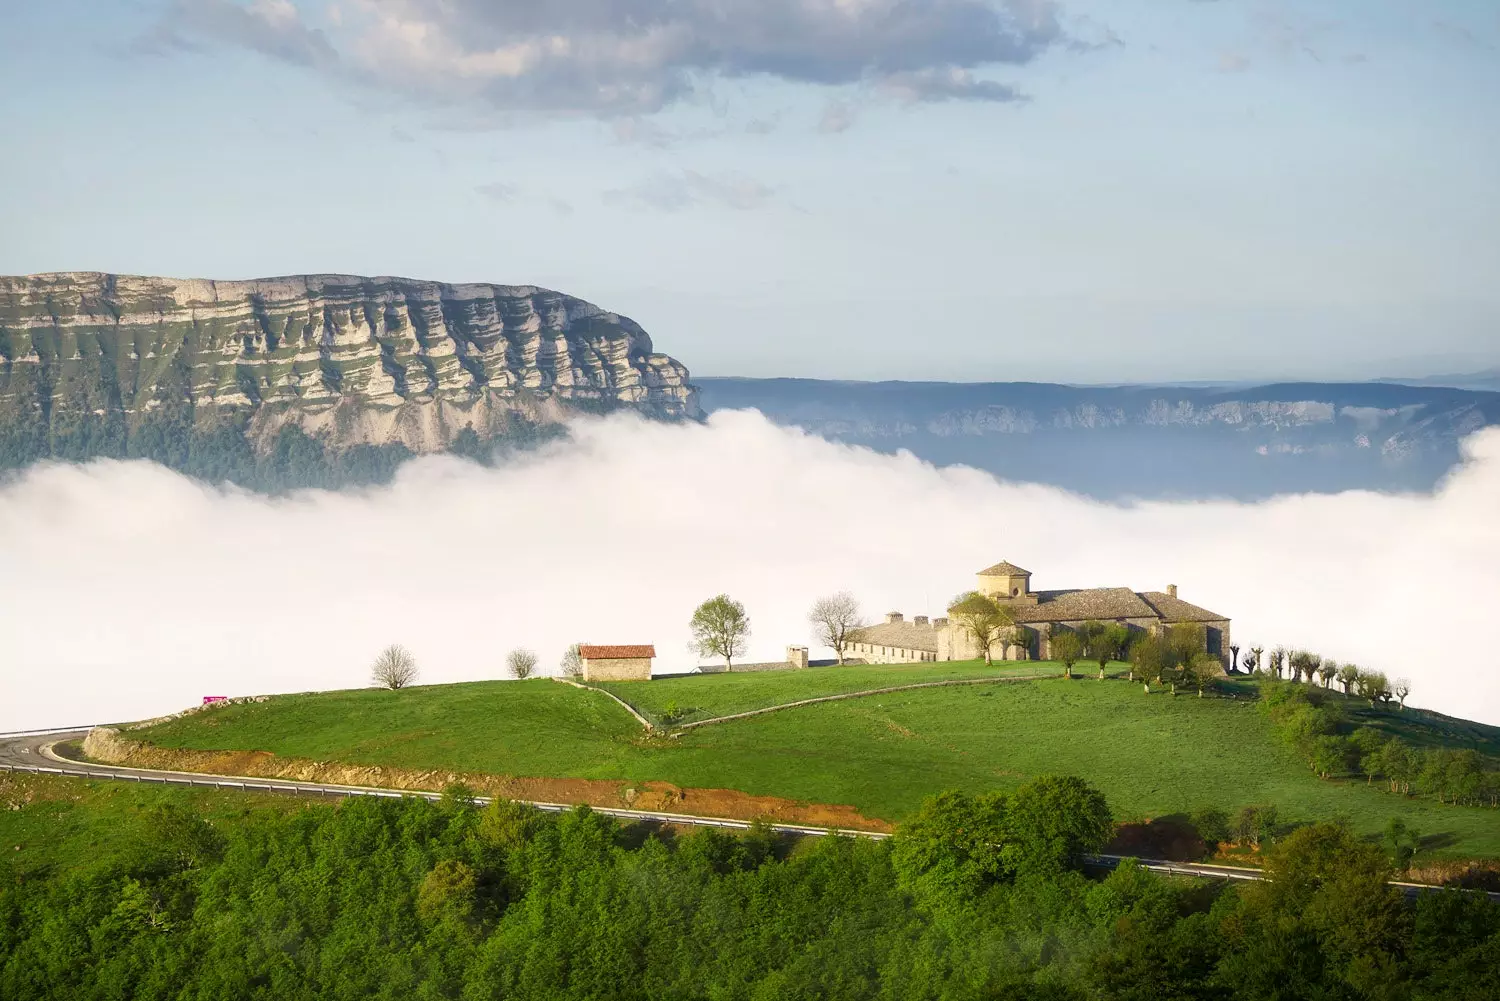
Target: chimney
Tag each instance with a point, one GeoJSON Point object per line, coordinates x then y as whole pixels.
{"type": "Point", "coordinates": [1171, 590]}
{"type": "Point", "coordinates": [796, 656]}
{"type": "Point", "coordinates": [920, 620]}
{"type": "Point", "coordinates": [940, 623]}
{"type": "Point", "coordinates": [892, 617]}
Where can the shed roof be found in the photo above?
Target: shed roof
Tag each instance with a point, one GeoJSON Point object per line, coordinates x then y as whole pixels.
{"type": "Point", "coordinates": [1004, 569]}
{"type": "Point", "coordinates": [901, 635]}
{"type": "Point", "coordinates": [589, 652]}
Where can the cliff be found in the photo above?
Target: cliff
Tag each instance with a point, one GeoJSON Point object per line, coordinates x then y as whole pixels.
{"type": "Point", "coordinates": [349, 360]}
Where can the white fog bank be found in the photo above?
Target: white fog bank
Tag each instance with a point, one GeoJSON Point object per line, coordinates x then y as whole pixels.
{"type": "Point", "coordinates": [128, 591]}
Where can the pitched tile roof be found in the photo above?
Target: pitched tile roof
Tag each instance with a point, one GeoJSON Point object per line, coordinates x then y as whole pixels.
{"type": "Point", "coordinates": [1080, 605]}
{"type": "Point", "coordinates": [1004, 569]}
{"type": "Point", "coordinates": [902, 635]}
{"type": "Point", "coordinates": [615, 652]}
{"type": "Point", "coordinates": [1176, 610]}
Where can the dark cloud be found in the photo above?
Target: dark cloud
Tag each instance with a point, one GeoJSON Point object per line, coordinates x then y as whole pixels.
{"type": "Point", "coordinates": [633, 57]}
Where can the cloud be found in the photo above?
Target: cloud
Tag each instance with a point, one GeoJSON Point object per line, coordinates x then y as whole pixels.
{"type": "Point", "coordinates": [499, 191]}
{"type": "Point", "coordinates": [271, 27]}
{"type": "Point", "coordinates": [132, 591]}
{"type": "Point", "coordinates": [1234, 62]}
{"type": "Point", "coordinates": [838, 117]}
{"type": "Point", "coordinates": [948, 84]}
{"type": "Point", "coordinates": [637, 57]}
{"type": "Point", "coordinates": [670, 191]}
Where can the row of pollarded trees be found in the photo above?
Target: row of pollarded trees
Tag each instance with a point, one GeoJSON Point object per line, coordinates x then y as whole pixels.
{"type": "Point", "coordinates": [1312, 668]}
{"type": "Point", "coordinates": [396, 667]}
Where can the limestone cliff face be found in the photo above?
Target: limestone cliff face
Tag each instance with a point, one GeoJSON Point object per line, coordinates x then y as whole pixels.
{"type": "Point", "coordinates": [357, 360]}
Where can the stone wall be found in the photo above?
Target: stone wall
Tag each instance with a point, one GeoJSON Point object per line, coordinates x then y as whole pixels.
{"type": "Point", "coordinates": [617, 669]}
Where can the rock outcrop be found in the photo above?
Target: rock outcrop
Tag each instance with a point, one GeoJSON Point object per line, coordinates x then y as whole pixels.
{"type": "Point", "coordinates": [353, 360]}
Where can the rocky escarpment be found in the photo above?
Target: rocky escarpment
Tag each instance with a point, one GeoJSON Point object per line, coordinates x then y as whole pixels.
{"type": "Point", "coordinates": [351, 360]}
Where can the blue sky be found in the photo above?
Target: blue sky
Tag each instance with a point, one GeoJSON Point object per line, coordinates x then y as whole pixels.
{"type": "Point", "coordinates": [950, 189]}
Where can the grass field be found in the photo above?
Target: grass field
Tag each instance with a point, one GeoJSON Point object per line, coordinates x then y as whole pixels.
{"type": "Point", "coordinates": [703, 696]}
{"type": "Point", "coordinates": [1152, 755]}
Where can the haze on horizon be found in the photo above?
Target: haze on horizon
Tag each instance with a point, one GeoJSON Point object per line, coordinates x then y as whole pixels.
{"type": "Point", "coordinates": [1082, 191]}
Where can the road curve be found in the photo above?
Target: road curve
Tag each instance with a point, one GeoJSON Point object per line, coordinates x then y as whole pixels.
{"type": "Point", "coordinates": [35, 752]}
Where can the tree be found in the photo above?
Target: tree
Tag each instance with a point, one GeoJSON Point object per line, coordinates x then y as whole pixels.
{"type": "Point", "coordinates": [1067, 649]}
{"type": "Point", "coordinates": [1278, 660]}
{"type": "Point", "coordinates": [395, 667]}
{"type": "Point", "coordinates": [1052, 820]}
{"type": "Point", "coordinates": [720, 628]}
{"type": "Point", "coordinates": [572, 663]}
{"type": "Point", "coordinates": [1402, 688]}
{"type": "Point", "coordinates": [1234, 658]}
{"type": "Point", "coordinates": [520, 663]}
{"type": "Point", "coordinates": [983, 618]}
{"type": "Point", "coordinates": [1253, 662]}
{"type": "Point", "coordinates": [1327, 671]}
{"type": "Point", "coordinates": [1204, 669]}
{"type": "Point", "coordinates": [1020, 638]}
{"type": "Point", "coordinates": [834, 618]}
{"type": "Point", "coordinates": [1104, 641]}
{"type": "Point", "coordinates": [1401, 843]}
{"type": "Point", "coordinates": [1373, 685]}
{"type": "Point", "coordinates": [1150, 660]}
{"type": "Point", "coordinates": [1348, 676]}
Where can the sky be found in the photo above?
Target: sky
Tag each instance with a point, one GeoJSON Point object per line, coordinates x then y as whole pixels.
{"type": "Point", "coordinates": [1080, 191]}
{"type": "Point", "coordinates": [131, 591]}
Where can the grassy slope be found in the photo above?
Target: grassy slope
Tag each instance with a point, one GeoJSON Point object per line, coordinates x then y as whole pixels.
{"type": "Point", "coordinates": [1152, 755]}
{"type": "Point", "coordinates": [702, 696]}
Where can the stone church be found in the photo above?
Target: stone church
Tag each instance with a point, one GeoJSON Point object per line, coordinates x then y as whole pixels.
{"type": "Point", "coordinates": [897, 641]}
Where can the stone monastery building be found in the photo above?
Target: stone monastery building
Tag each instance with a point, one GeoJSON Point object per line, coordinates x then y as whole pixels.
{"type": "Point", "coordinates": [1041, 613]}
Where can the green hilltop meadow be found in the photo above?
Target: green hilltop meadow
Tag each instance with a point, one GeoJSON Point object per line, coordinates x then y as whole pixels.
{"type": "Point", "coordinates": [1296, 753]}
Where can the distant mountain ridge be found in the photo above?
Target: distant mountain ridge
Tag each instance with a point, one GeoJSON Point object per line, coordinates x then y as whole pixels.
{"type": "Point", "coordinates": [1148, 441]}
{"type": "Point", "coordinates": [357, 361]}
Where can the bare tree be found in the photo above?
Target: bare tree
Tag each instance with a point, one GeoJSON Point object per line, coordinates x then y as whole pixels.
{"type": "Point", "coordinates": [720, 628]}
{"type": "Point", "coordinates": [983, 618]}
{"type": "Point", "coordinates": [1234, 658]}
{"type": "Point", "coordinates": [1254, 661]}
{"type": "Point", "coordinates": [834, 620]}
{"type": "Point", "coordinates": [1278, 661]}
{"type": "Point", "coordinates": [1402, 688]}
{"type": "Point", "coordinates": [520, 663]}
{"type": "Point", "coordinates": [572, 663]}
{"type": "Point", "coordinates": [394, 668]}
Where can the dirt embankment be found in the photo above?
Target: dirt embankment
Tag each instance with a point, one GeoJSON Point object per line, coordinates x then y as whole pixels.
{"type": "Point", "coordinates": [107, 745]}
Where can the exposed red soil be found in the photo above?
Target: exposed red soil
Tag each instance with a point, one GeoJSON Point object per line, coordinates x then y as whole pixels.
{"type": "Point", "coordinates": [656, 796]}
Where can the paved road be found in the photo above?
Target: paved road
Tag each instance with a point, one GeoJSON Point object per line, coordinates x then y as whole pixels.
{"type": "Point", "coordinates": [35, 752]}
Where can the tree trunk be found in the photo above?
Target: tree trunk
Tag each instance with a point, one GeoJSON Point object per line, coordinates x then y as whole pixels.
{"type": "Point", "coordinates": [1146, 685]}
{"type": "Point", "coordinates": [1068, 671]}
{"type": "Point", "coordinates": [1200, 692]}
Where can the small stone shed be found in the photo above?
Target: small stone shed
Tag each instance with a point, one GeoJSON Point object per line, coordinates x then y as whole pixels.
{"type": "Point", "coordinates": [616, 663]}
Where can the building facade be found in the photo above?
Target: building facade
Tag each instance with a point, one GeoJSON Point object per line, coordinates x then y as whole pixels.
{"type": "Point", "coordinates": [616, 663]}
{"type": "Point", "coordinates": [1041, 615]}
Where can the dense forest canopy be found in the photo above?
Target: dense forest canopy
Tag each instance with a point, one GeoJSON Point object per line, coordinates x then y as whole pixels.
{"type": "Point", "coordinates": [975, 898]}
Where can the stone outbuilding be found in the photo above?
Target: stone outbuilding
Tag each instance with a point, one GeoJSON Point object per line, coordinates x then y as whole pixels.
{"type": "Point", "coordinates": [616, 663]}
{"type": "Point", "coordinates": [1042, 614]}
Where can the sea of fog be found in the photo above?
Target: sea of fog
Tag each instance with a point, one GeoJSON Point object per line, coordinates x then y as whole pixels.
{"type": "Point", "coordinates": [128, 591]}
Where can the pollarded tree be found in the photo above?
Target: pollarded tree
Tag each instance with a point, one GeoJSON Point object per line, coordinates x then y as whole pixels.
{"type": "Point", "coordinates": [521, 664]}
{"type": "Point", "coordinates": [983, 618]}
{"type": "Point", "coordinates": [1234, 658]}
{"type": "Point", "coordinates": [1278, 660]}
{"type": "Point", "coordinates": [1402, 688]}
{"type": "Point", "coordinates": [1311, 666]}
{"type": "Point", "coordinates": [1327, 671]}
{"type": "Point", "coordinates": [395, 668]}
{"type": "Point", "coordinates": [1150, 659]}
{"type": "Point", "coordinates": [1067, 649]}
{"type": "Point", "coordinates": [1348, 677]}
{"type": "Point", "coordinates": [834, 619]}
{"type": "Point", "coordinates": [1375, 687]}
{"type": "Point", "coordinates": [1254, 661]}
{"type": "Point", "coordinates": [720, 628]}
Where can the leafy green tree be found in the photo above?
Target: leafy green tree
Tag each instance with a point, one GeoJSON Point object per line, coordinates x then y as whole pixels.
{"type": "Point", "coordinates": [1205, 671]}
{"type": "Point", "coordinates": [1348, 677]}
{"type": "Point", "coordinates": [1327, 671]}
{"type": "Point", "coordinates": [1150, 660]}
{"type": "Point", "coordinates": [1052, 820]}
{"type": "Point", "coordinates": [1401, 843]}
{"type": "Point", "coordinates": [1067, 649]}
{"type": "Point", "coordinates": [952, 847]}
{"type": "Point", "coordinates": [982, 618]}
{"type": "Point", "coordinates": [720, 629]}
